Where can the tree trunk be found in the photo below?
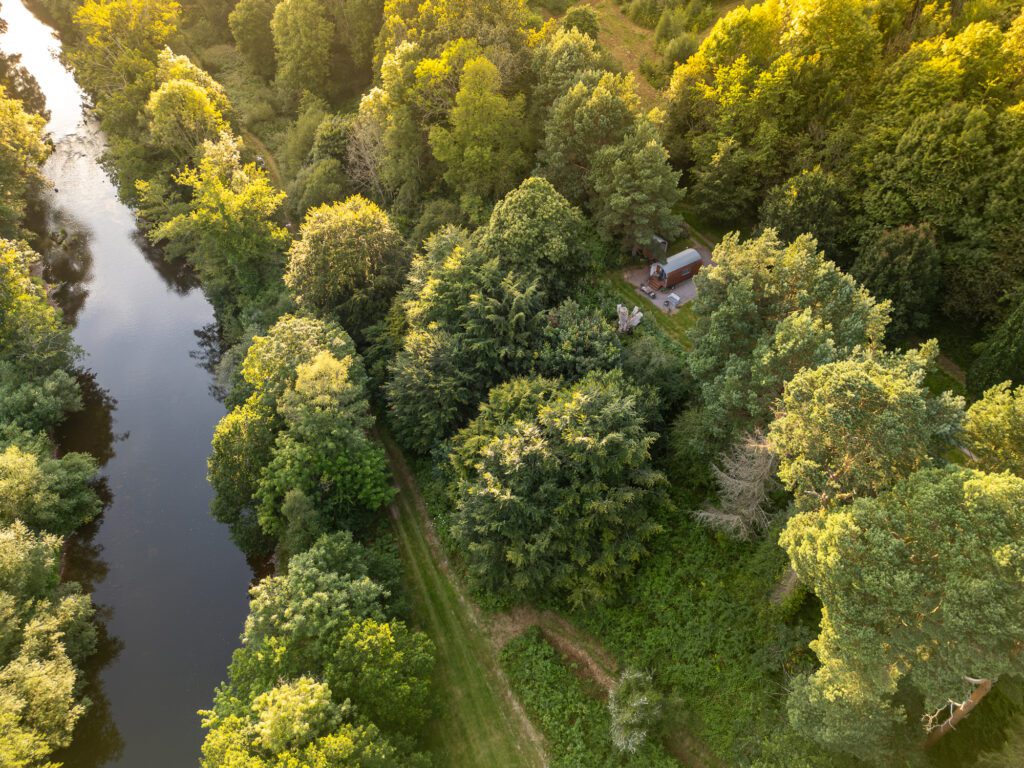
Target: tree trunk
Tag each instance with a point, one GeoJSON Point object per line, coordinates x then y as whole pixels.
{"type": "Point", "coordinates": [980, 692]}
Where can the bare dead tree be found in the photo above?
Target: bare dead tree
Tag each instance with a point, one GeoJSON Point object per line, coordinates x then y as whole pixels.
{"type": "Point", "coordinates": [745, 475]}
{"type": "Point", "coordinates": [365, 149]}
{"type": "Point", "coordinates": [940, 722]}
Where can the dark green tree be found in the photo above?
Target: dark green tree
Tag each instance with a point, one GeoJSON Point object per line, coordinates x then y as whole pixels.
{"type": "Point", "coordinates": [904, 266]}
{"type": "Point", "coordinates": [250, 26]}
{"type": "Point", "coordinates": [554, 490]}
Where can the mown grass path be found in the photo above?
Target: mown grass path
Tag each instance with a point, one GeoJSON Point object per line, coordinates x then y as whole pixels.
{"type": "Point", "coordinates": [479, 722]}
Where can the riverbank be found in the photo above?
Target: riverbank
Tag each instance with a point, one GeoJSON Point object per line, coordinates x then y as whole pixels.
{"type": "Point", "coordinates": [170, 583]}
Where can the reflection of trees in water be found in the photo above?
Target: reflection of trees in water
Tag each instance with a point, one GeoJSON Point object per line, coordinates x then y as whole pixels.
{"type": "Point", "coordinates": [91, 430]}
{"type": "Point", "coordinates": [83, 557]}
{"type": "Point", "coordinates": [208, 357]}
{"type": "Point", "coordinates": [176, 273]}
{"type": "Point", "coordinates": [64, 245]}
{"type": "Point", "coordinates": [19, 83]}
{"type": "Point", "coordinates": [96, 740]}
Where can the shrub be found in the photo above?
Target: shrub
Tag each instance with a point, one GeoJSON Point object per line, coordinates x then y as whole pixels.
{"type": "Point", "coordinates": [681, 47]}
{"type": "Point", "coordinates": [584, 19]}
{"type": "Point", "coordinates": [645, 12]}
{"type": "Point", "coordinates": [634, 706]}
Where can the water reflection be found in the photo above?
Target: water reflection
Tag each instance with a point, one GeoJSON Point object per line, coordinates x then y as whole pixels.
{"type": "Point", "coordinates": [97, 740]}
{"type": "Point", "coordinates": [176, 273]}
{"type": "Point", "coordinates": [91, 430]}
{"type": "Point", "coordinates": [19, 83]}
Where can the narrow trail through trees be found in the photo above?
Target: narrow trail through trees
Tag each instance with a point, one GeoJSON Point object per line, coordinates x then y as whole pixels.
{"type": "Point", "coordinates": [484, 723]}
{"type": "Point", "coordinates": [481, 722]}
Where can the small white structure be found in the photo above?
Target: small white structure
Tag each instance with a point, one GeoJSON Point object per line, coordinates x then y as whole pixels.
{"type": "Point", "coordinates": [629, 320]}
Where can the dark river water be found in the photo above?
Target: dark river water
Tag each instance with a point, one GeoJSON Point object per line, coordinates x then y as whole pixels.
{"type": "Point", "coordinates": [170, 584]}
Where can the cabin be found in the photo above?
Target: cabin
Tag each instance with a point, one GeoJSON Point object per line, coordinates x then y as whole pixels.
{"type": "Point", "coordinates": [675, 269]}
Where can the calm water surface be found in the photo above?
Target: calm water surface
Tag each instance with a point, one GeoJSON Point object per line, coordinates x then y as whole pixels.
{"type": "Point", "coordinates": [171, 585]}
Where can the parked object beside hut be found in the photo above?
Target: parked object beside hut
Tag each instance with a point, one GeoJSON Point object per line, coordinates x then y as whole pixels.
{"type": "Point", "coordinates": [675, 269]}
{"type": "Point", "coordinates": [656, 249]}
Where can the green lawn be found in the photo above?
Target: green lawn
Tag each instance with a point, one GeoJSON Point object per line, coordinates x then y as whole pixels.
{"type": "Point", "coordinates": [676, 327]}
{"type": "Point", "coordinates": [477, 722]}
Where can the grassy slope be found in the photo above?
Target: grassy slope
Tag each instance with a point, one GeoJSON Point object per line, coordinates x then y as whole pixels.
{"type": "Point", "coordinates": [479, 722]}
{"type": "Point", "coordinates": [628, 43]}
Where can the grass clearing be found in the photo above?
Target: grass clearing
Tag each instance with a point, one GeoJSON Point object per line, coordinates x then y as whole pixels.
{"type": "Point", "coordinates": [479, 722]}
{"type": "Point", "coordinates": [676, 326]}
{"type": "Point", "coordinates": [629, 44]}
{"type": "Point", "coordinates": [571, 714]}
{"type": "Point", "coordinates": [698, 615]}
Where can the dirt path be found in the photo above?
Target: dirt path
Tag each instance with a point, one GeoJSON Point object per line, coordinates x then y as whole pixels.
{"type": "Point", "coordinates": [952, 369]}
{"type": "Point", "coordinates": [594, 664]}
{"type": "Point", "coordinates": [594, 661]}
{"type": "Point", "coordinates": [483, 723]}
{"type": "Point", "coordinates": [273, 169]}
{"type": "Point", "coordinates": [480, 722]}
{"type": "Point", "coordinates": [785, 587]}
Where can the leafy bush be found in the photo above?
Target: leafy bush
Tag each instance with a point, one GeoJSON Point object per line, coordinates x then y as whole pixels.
{"type": "Point", "coordinates": [645, 12]}
{"type": "Point", "coordinates": [584, 19]}
{"type": "Point", "coordinates": [681, 47]}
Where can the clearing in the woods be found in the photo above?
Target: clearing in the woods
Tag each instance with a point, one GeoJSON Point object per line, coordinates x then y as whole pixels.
{"type": "Point", "coordinates": [479, 722]}
{"type": "Point", "coordinates": [629, 43]}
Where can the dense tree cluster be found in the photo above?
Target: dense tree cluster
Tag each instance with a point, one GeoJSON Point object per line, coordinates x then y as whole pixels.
{"type": "Point", "coordinates": [46, 626]}
{"type": "Point", "coordinates": [484, 307]}
{"type": "Point", "coordinates": [514, 158]}
{"type": "Point", "coordinates": [47, 632]}
{"type": "Point", "coordinates": [787, 343]}
{"type": "Point", "coordinates": [470, 98]}
{"type": "Point", "coordinates": [295, 459]}
{"type": "Point", "coordinates": [554, 488]}
{"type": "Point", "coordinates": [767, 310]}
{"type": "Point", "coordinates": [347, 263]}
{"type": "Point", "coordinates": [324, 676]}
{"type": "Point", "coordinates": [949, 541]}
{"type": "Point", "coordinates": [228, 232]}
{"type": "Point", "coordinates": [22, 151]}
{"type": "Point", "coordinates": [892, 134]}
{"type": "Point", "coordinates": [36, 350]}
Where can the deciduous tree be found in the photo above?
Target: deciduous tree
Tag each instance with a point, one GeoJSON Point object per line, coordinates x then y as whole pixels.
{"type": "Point", "coordinates": [303, 32]}
{"type": "Point", "coordinates": [230, 233]}
{"type": "Point", "coordinates": [348, 262]}
{"type": "Point", "coordinates": [949, 542]}
{"type": "Point", "coordinates": [484, 151]}
{"type": "Point", "coordinates": [250, 26]}
{"type": "Point", "coordinates": [854, 427]}
{"type": "Point", "coordinates": [994, 428]}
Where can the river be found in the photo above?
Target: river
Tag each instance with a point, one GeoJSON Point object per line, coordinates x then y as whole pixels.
{"type": "Point", "coordinates": [171, 585]}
